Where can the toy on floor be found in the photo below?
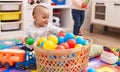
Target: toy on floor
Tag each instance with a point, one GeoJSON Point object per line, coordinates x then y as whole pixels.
{"type": "Point", "coordinates": [18, 58]}
{"type": "Point", "coordinates": [95, 50]}
{"type": "Point", "coordinates": [108, 56]}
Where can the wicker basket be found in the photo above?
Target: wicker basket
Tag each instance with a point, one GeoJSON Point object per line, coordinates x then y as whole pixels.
{"type": "Point", "coordinates": [69, 60]}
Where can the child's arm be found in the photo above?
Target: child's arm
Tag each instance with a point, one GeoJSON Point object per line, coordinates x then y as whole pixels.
{"type": "Point", "coordinates": [55, 30]}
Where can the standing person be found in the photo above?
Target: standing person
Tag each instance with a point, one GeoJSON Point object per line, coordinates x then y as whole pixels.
{"type": "Point", "coordinates": [41, 26]}
{"type": "Point", "coordinates": [78, 14]}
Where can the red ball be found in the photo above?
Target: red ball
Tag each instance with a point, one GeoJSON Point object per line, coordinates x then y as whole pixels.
{"type": "Point", "coordinates": [62, 34]}
{"type": "Point", "coordinates": [71, 43]}
{"type": "Point", "coordinates": [60, 47]}
{"type": "Point", "coordinates": [65, 45]}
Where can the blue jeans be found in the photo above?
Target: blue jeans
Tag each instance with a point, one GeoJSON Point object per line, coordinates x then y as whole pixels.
{"type": "Point", "coordinates": [78, 17]}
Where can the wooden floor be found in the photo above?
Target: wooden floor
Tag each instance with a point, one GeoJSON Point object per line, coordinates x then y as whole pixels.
{"type": "Point", "coordinates": [109, 38]}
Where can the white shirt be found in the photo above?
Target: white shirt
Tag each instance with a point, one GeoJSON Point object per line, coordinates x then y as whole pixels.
{"type": "Point", "coordinates": [36, 33]}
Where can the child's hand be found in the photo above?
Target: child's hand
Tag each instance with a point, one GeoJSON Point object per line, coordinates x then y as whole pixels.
{"type": "Point", "coordinates": [84, 5]}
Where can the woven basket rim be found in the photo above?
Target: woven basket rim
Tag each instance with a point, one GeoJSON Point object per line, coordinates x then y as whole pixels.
{"type": "Point", "coordinates": [62, 51]}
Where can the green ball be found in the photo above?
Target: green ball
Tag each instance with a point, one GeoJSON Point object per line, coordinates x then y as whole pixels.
{"type": "Point", "coordinates": [29, 41]}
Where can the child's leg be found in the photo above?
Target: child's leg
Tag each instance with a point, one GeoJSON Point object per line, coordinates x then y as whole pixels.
{"type": "Point", "coordinates": [82, 16]}
{"type": "Point", "coordinates": [76, 18]}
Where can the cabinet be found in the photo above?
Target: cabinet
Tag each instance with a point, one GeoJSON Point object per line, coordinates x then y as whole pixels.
{"type": "Point", "coordinates": [106, 13]}
{"type": "Point", "coordinates": [11, 21]}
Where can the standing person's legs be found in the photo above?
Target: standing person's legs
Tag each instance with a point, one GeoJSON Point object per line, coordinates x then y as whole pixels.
{"type": "Point", "coordinates": [76, 18]}
{"type": "Point", "coordinates": [82, 16]}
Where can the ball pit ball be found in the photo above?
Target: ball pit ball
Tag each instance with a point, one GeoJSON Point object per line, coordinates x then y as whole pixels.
{"type": "Point", "coordinates": [71, 43]}
{"type": "Point", "coordinates": [78, 46]}
{"type": "Point", "coordinates": [29, 41]}
{"type": "Point", "coordinates": [60, 47]}
{"type": "Point", "coordinates": [79, 40]}
{"type": "Point", "coordinates": [53, 38]}
{"type": "Point", "coordinates": [48, 45]}
{"type": "Point", "coordinates": [60, 40]}
{"type": "Point", "coordinates": [66, 46]}
{"type": "Point", "coordinates": [62, 34]}
{"type": "Point", "coordinates": [91, 70]}
{"type": "Point", "coordinates": [42, 39]}
{"type": "Point", "coordinates": [69, 36]}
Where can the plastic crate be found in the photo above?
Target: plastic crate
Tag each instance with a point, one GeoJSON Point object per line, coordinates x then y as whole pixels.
{"type": "Point", "coordinates": [9, 6]}
{"type": "Point", "coordinates": [4, 16]}
{"type": "Point", "coordinates": [8, 26]}
{"type": "Point", "coordinates": [69, 60]}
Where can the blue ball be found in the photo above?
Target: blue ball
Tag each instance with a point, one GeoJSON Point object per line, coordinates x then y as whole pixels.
{"type": "Point", "coordinates": [69, 36]}
{"type": "Point", "coordinates": [118, 63]}
{"type": "Point", "coordinates": [91, 70]}
{"type": "Point", "coordinates": [80, 40]}
{"type": "Point", "coordinates": [60, 39]}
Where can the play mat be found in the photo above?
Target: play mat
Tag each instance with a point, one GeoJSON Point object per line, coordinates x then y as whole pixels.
{"type": "Point", "coordinates": [94, 62]}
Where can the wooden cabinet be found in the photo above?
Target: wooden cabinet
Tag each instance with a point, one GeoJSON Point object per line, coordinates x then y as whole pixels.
{"type": "Point", "coordinates": [106, 13]}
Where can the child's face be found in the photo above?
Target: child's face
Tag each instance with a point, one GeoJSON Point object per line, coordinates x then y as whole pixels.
{"type": "Point", "coordinates": [41, 17]}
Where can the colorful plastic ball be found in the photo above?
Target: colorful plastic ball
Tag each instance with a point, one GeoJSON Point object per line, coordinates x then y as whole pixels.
{"type": "Point", "coordinates": [60, 47]}
{"type": "Point", "coordinates": [42, 39]}
{"type": "Point", "coordinates": [78, 46]}
{"type": "Point", "coordinates": [79, 40]}
{"type": "Point", "coordinates": [29, 41]}
{"type": "Point", "coordinates": [60, 39]}
{"type": "Point", "coordinates": [91, 70]}
{"type": "Point", "coordinates": [62, 34]}
{"type": "Point", "coordinates": [48, 45]}
{"type": "Point", "coordinates": [69, 36]}
{"type": "Point", "coordinates": [118, 63]}
{"type": "Point", "coordinates": [71, 43]}
{"type": "Point", "coordinates": [53, 38]}
{"type": "Point", "coordinates": [66, 46]}
{"type": "Point", "coordinates": [86, 42]}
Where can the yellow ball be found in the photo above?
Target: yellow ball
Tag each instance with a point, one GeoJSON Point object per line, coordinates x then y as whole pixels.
{"type": "Point", "coordinates": [78, 46]}
{"type": "Point", "coordinates": [42, 39]}
{"type": "Point", "coordinates": [53, 38]}
{"type": "Point", "coordinates": [48, 45]}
